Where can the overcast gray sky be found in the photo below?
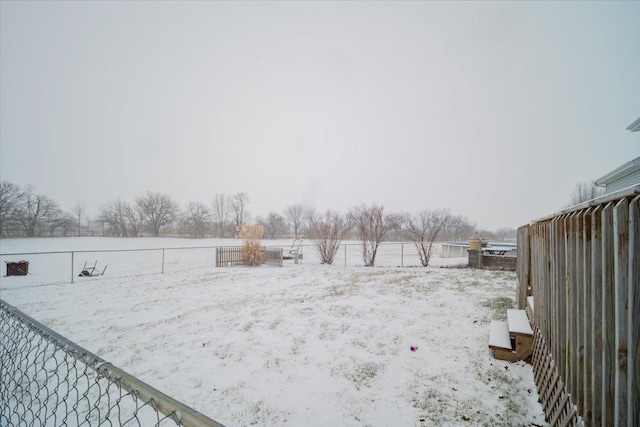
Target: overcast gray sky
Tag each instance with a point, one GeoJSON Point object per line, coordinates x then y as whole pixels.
{"type": "Point", "coordinates": [493, 110]}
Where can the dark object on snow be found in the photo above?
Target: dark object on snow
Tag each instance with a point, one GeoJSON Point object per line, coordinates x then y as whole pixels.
{"type": "Point", "coordinates": [414, 349]}
{"type": "Point", "coordinates": [20, 268]}
{"type": "Point", "coordinates": [91, 271]}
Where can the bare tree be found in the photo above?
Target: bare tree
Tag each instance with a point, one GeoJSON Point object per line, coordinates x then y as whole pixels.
{"type": "Point", "coordinates": [274, 224]}
{"type": "Point", "coordinates": [11, 196]}
{"type": "Point", "coordinates": [196, 219]}
{"type": "Point", "coordinates": [423, 229]}
{"type": "Point", "coordinates": [327, 231]}
{"type": "Point", "coordinates": [132, 219]}
{"type": "Point", "coordinates": [460, 228]}
{"type": "Point", "coordinates": [60, 225]}
{"type": "Point", "coordinates": [295, 215]}
{"type": "Point", "coordinates": [109, 221]}
{"type": "Point", "coordinates": [79, 210]}
{"type": "Point", "coordinates": [583, 192]}
{"type": "Point", "coordinates": [372, 226]}
{"type": "Point", "coordinates": [35, 212]}
{"type": "Point", "coordinates": [239, 202]}
{"type": "Point", "coordinates": [221, 210]}
{"type": "Point", "coordinates": [505, 233]}
{"type": "Point", "coordinates": [120, 219]}
{"type": "Point", "coordinates": [158, 211]}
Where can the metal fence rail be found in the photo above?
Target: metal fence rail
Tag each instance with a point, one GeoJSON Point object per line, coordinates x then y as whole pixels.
{"type": "Point", "coordinates": [46, 380]}
{"type": "Point", "coordinates": [583, 268]}
{"type": "Point", "coordinates": [51, 268]}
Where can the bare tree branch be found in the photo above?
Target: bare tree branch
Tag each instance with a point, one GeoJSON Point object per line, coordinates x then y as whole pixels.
{"type": "Point", "coordinates": [372, 226]}
{"type": "Point", "coordinates": [239, 202]}
{"type": "Point", "coordinates": [196, 219]}
{"type": "Point", "coordinates": [11, 196]}
{"type": "Point", "coordinates": [158, 210]}
{"type": "Point", "coordinates": [295, 215]}
{"type": "Point", "coordinates": [423, 229]}
{"type": "Point", "coordinates": [221, 211]}
{"type": "Point", "coordinates": [327, 231]}
{"type": "Point", "coordinates": [274, 224]}
{"type": "Point", "coordinates": [583, 192]}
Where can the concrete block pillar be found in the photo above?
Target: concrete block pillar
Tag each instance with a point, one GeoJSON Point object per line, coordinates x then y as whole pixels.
{"type": "Point", "coordinates": [475, 252]}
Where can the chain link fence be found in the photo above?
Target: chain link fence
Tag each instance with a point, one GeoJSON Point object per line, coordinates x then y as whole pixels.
{"type": "Point", "coordinates": [46, 380]}
{"type": "Point", "coordinates": [50, 268]}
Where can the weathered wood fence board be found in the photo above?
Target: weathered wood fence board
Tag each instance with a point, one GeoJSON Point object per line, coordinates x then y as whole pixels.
{"type": "Point", "coordinates": [608, 319]}
{"type": "Point", "coordinates": [582, 267]}
{"type": "Point", "coordinates": [596, 310]}
{"type": "Point", "coordinates": [634, 309]}
{"type": "Point", "coordinates": [272, 256]}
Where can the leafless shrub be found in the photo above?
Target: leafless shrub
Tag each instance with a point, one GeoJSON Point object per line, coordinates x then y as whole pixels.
{"type": "Point", "coordinates": [423, 229]}
{"type": "Point", "coordinates": [252, 249]}
{"type": "Point", "coordinates": [372, 226]}
{"type": "Point", "coordinates": [327, 231]}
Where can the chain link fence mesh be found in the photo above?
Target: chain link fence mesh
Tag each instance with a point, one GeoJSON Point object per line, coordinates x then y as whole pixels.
{"type": "Point", "coordinates": [46, 380]}
{"type": "Point", "coordinates": [51, 268]}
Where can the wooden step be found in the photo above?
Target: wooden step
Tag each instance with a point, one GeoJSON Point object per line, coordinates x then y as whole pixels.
{"type": "Point", "coordinates": [499, 335]}
{"type": "Point", "coordinates": [511, 340]}
{"type": "Point", "coordinates": [500, 341]}
{"type": "Point", "coordinates": [519, 323]}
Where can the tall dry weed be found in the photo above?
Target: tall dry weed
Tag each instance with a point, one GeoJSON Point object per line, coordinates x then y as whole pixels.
{"type": "Point", "coordinates": [252, 248]}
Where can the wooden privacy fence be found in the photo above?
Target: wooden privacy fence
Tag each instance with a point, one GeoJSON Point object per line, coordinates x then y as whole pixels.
{"type": "Point", "coordinates": [232, 256]}
{"type": "Point", "coordinates": [582, 267]}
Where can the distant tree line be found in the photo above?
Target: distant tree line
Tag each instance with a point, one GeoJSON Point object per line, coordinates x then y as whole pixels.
{"type": "Point", "coordinates": [25, 213]}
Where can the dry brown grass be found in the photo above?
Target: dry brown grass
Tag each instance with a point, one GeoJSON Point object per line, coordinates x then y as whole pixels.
{"type": "Point", "coordinates": [252, 248]}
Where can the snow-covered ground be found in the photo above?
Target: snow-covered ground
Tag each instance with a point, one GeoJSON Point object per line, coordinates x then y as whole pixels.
{"type": "Point", "coordinates": [306, 344]}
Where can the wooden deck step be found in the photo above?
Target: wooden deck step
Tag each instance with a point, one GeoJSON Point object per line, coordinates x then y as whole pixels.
{"type": "Point", "coordinates": [499, 335]}
{"type": "Point", "coordinates": [519, 322]}
{"type": "Point", "coordinates": [500, 341]}
{"type": "Point", "coordinates": [511, 340]}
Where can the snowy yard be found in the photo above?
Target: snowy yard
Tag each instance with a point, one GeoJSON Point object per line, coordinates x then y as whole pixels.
{"type": "Point", "coordinates": [306, 344]}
